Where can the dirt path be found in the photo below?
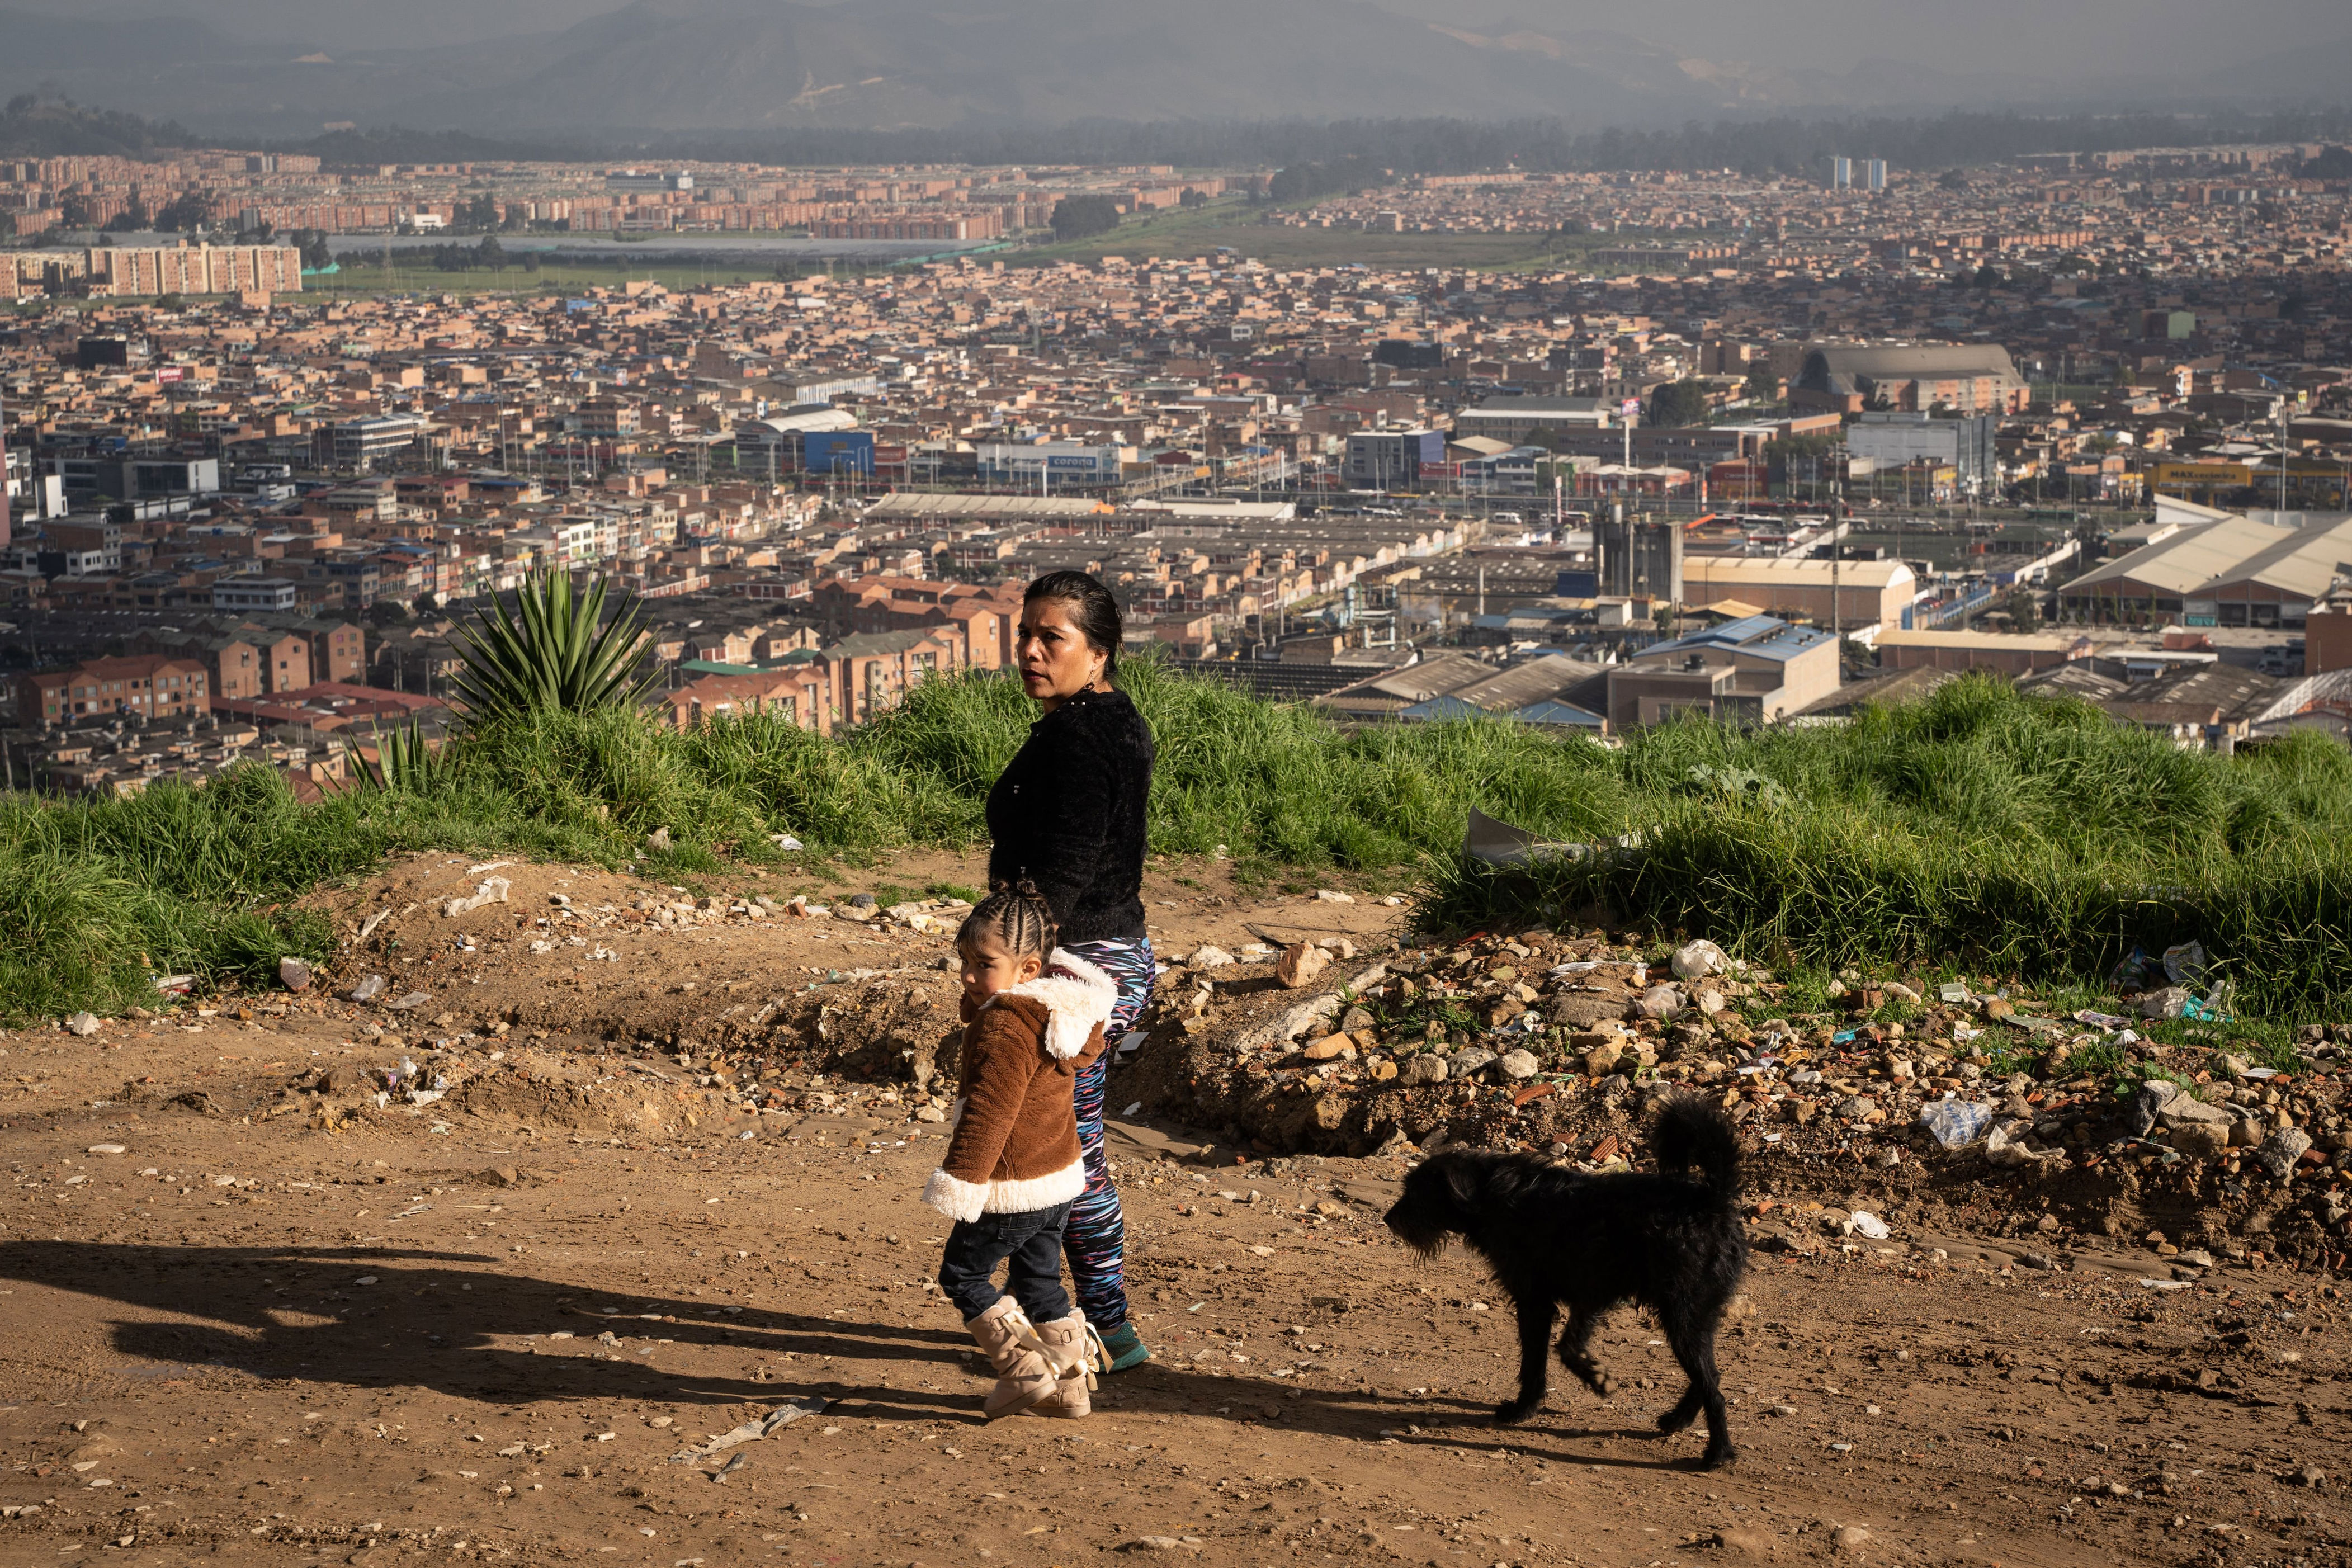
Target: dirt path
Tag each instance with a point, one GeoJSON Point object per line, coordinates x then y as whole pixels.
{"type": "Point", "coordinates": [284, 1324]}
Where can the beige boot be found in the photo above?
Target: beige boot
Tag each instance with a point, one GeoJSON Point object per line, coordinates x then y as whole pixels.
{"type": "Point", "coordinates": [1023, 1376]}
{"type": "Point", "coordinates": [1069, 1344]}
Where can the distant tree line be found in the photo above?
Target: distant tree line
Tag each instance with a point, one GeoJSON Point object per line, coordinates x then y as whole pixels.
{"type": "Point", "coordinates": [1081, 217]}
{"type": "Point", "coordinates": [43, 125]}
{"type": "Point", "coordinates": [1304, 182]}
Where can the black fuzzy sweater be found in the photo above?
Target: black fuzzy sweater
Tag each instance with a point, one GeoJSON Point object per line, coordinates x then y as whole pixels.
{"type": "Point", "coordinates": [1068, 815]}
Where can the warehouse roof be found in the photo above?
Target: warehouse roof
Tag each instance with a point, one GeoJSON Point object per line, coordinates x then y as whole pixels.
{"type": "Point", "coordinates": [1766, 571]}
{"type": "Point", "coordinates": [2187, 559]}
{"type": "Point", "coordinates": [2305, 564]}
{"type": "Point", "coordinates": [1848, 368]}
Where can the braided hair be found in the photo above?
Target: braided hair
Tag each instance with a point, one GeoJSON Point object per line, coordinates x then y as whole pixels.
{"type": "Point", "coordinates": [1017, 916]}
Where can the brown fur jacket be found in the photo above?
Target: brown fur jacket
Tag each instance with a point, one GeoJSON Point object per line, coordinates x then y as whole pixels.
{"type": "Point", "coordinates": [1015, 1147]}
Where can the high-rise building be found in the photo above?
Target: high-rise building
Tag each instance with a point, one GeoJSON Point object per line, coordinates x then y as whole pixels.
{"type": "Point", "coordinates": [1874, 174]}
{"type": "Point", "coordinates": [1841, 174]}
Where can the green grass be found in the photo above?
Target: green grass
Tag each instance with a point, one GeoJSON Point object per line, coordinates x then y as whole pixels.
{"type": "Point", "coordinates": [1978, 833]}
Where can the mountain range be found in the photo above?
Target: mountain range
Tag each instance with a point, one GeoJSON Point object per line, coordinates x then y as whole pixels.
{"type": "Point", "coordinates": [775, 65]}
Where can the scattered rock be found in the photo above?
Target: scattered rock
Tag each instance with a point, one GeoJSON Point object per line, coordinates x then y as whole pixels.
{"type": "Point", "coordinates": [657, 840]}
{"type": "Point", "coordinates": [294, 974]}
{"type": "Point", "coordinates": [1520, 1065]}
{"type": "Point", "coordinates": [1423, 1069]}
{"type": "Point", "coordinates": [2201, 1139]}
{"type": "Point", "coordinates": [1300, 963]}
{"type": "Point", "coordinates": [1210, 958]}
{"type": "Point", "coordinates": [1468, 1060]}
{"type": "Point", "coordinates": [1329, 896]}
{"type": "Point", "coordinates": [82, 1023]}
{"type": "Point", "coordinates": [1745, 1540]}
{"type": "Point", "coordinates": [1849, 1538]}
{"type": "Point", "coordinates": [2151, 1097]}
{"type": "Point", "coordinates": [2280, 1150]}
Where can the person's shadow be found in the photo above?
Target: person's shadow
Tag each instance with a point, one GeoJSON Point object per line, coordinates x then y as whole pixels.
{"type": "Point", "coordinates": [419, 1320]}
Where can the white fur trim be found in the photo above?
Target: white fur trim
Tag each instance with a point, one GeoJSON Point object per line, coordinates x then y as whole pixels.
{"type": "Point", "coordinates": [1036, 1192]}
{"type": "Point", "coordinates": [1076, 996]}
{"type": "Point", "coordinates": [966, 1201]}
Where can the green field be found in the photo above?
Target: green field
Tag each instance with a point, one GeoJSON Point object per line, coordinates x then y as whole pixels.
{"type": "Point", "coordinates": [2017, 836]}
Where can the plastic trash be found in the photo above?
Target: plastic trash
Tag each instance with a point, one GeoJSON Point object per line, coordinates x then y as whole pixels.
{"type": "Point", "coordinates": [785, 842]}
{"type": "Point", "coordinates": [367, 990]}
{"type": "Point", "coordinates": [2184, 964]}
{"type": "Point", "coordinates": [1867, 1226]}
{"type": "Point", "coordinates": [1955, 1123]}
{"type": "Point", "coordinates": [1698, 960]}
{"type": "Point", "coordinates": [2098, 1020]}
{"type": "Point", "coordinates": [753, 1430]}
{"type": "Point", "coordinates": [2130, 973]}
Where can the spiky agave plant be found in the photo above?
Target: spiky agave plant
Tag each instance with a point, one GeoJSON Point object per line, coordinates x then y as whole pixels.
{"type": "Point", "coordinates": [405, 760]}
{"type": "Point", "coordinates": [554, 650]}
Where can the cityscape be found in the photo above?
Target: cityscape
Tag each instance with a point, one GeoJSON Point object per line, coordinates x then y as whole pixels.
{"type": "Point", "coordinates": [1717, 662]}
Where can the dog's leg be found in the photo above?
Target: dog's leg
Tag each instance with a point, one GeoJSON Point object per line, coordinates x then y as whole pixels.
{"type": "Point", "coordinates": [1535, 1339]}
{"type": "Point", "coordinates": [1692, 1342]}
{"type": "Point", "coordinates": [1573, 1354]}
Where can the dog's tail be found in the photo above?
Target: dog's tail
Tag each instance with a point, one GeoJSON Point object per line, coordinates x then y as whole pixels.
{"type": "Point", "coordinates": [1691, 1133]}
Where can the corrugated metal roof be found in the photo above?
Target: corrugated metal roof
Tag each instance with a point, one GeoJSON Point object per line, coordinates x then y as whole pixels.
{"type": "Point", "coordinates": [2188, 559]}
{"type": "Point", "coordinates": [2305, 564]}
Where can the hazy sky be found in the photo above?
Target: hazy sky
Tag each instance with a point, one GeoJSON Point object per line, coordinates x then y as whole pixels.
{"type": "Point", "coordinates": [2040, 38]}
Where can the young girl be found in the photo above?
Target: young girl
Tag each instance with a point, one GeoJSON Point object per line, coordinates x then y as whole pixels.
{"type": "Point", "coordinates": [1033, 1015]}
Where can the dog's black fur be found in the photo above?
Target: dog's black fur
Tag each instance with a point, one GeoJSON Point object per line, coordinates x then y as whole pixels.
{"type": "Point", "coordinates": [1557, 1237]}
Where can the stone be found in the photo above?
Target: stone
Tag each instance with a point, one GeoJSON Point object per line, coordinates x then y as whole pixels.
{"type": "Point", "coordinates": [1520, 1065]}
{"type": "Point", "coordinates": [2183, 1109]}
{"type": "Point", "coordinates": [1331, 896]}
{"type": "Point", "coordinates": [1210, 958]}
{"type": "Point", "coordinates": [1856, 1108]}
{"type": "Point", "coordinates": [1423, 1069]}
{"type": "Point", "coordinates": [82, 1023]}
{"type": "Point", "coordinates": [1469, 1059]}
{"type": "Point", "coordinates": [1357, 1019]}
{"type": "Point", "coordinates": [2309, 1476]}
{"type": "Point", "coordinates": [1660, 1002]}
{"type": "Point", "coordinates": [1698, 960]}
{"type": "Point", "coordinates": [1601, 1059]}
{"type": "Point", "coordinates": [2200, 1140]}
{"type": "Point", "coordinates": [294, 974]}
{"type": "Point", "coordinates": [1997, 1008]}
{"type": "Point", "coordinates": [1848, 1538]}
{"type": "Point", "coordinates": [2166, 1002]}
{"type": "Point", "coordinates": [1583, 1009]}
{"type": "Point", "coordinates": [1300, 963]}
{"type": "Point", "coordinates": [1711, 1003]}
{"type": "Point", "coordinates": [657, 840]}
{"type": "Point", "coordinates": [2280, 1150]}
{"type": "Point", "coordinates": [1332, 1047]}
{"type": "Point", "coordinates": [1337, 947]}
{"type": "Point", "coordinates": [2245, 1133]}
{"type": "Point", "coordinates": [2151, 1097]}
{"type": "Point", "coordinates": [1745, 1540]}
{"type": "Point", "coordinates": [1901, 993]}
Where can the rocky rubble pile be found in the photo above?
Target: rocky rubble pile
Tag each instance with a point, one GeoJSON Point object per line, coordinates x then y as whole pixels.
{"type": "Point", "coordinates": [1559, 1042]}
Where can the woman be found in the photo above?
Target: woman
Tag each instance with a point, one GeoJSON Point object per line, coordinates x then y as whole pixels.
{"type": "Point", "coordinates": [1068, 815]}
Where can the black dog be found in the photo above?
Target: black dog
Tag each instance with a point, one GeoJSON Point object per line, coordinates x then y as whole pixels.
{"type": "Point", "coordinates": [1557, 1237]}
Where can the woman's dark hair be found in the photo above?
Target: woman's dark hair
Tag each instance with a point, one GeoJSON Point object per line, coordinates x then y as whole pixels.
{"type": "Point", "coordinates": [1018, 915]}
{"type": "Point", "coordinates": [1092, 610]}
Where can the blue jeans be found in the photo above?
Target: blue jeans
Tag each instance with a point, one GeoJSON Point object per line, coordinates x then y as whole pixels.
{"type": "Point", "coordinates": [1031, 1241]}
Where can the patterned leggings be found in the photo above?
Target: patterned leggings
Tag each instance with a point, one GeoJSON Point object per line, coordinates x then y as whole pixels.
{"type": "Point", "coordinates": [1095, 1240]}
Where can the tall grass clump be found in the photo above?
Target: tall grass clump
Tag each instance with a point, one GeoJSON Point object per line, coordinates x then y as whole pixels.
{"type": "Point", "coordinates": [2023, 834]}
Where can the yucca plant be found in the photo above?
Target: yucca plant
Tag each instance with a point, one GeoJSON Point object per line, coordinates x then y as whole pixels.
{"type": "Point", "coordinates": [404, 760]}
{"type": "Point", "coordinates": [555, 649]}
